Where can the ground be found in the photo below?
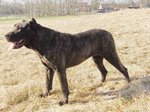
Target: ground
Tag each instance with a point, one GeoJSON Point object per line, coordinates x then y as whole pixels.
{"type": "Point", "coordinates": [22, 74]}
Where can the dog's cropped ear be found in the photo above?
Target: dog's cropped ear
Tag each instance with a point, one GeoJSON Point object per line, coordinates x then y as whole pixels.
{"type": "Point", "coordinates": [33, 20]}
{"type": "Point", "coordinates": [33, 24]}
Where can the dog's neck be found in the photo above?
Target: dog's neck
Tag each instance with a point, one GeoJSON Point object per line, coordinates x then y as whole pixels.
{"type": "Point", "coordinates": [38, 35]}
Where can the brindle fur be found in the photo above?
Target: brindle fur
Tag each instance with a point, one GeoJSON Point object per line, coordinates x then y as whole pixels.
{"type": "Point", "coordinates": [59, 51]}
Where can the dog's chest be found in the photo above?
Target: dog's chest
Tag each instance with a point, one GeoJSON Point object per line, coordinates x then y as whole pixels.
{"type": "Point", "coordinates": [46, 62]}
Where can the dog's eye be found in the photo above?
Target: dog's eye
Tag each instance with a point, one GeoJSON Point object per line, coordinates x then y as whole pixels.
{"type": "Point", "coordinates": [20, 28]}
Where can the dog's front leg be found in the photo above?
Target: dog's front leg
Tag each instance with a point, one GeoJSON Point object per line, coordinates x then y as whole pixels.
{"type": "Point", "coordinates": [49, 81]}
{"type": "Point", "coordinates": [64, 85]}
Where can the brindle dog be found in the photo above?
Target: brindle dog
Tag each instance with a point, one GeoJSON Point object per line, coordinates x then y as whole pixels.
{"type": "Point", "coordinates": [59, 51]}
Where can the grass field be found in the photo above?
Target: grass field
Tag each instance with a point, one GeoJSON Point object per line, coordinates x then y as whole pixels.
{"type": "Point", "coordinates": [22, 76]}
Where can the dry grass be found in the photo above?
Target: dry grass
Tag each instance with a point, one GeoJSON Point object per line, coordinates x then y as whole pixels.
{"type": "Point", "coordinates": [22, 74]}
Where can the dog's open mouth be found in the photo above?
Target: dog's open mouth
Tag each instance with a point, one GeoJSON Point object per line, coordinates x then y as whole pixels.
{"type": "Point", "coordinates": [16, 45]}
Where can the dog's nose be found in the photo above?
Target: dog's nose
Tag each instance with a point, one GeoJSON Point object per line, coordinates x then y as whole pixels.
{"type": "Point", "coordinates": [8, 35]}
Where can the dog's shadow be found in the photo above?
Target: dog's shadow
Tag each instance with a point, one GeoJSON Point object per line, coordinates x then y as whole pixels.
{"type": "Point", "coordinates": [136, 87]}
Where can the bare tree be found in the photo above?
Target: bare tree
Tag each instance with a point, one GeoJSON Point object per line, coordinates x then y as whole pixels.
{"type": "Point", "coordinates": [94, 5]}
{"type": "Point", "coordinates": [74, 7]}
{"type": "Point", "coordinates": [29, 8]}
{"type": "Point", "coordinates": [60, 7]}
{"type": "Point", "coordinates": [146, 3]}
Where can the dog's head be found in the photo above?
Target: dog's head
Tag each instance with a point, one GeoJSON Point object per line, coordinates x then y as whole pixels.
{"type": "Point", "coordinates": [21, 34]}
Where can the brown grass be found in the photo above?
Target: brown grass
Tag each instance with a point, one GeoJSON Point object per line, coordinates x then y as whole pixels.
{"type": "Point", "coordinates": [22, 74]}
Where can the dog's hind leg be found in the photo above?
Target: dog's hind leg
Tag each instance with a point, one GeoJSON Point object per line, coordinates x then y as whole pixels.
{"type": "Point", "coordinates": [99, 63]}
{"type": "Point", "coordinates": [113, 59]}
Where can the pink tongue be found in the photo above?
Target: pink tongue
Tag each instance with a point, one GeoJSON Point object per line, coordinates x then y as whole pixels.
{"type": "Point", "coordinates": [11, 46]}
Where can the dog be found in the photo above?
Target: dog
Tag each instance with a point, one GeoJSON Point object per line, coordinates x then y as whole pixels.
{"type": "Point", "coordinates": [59, 51]}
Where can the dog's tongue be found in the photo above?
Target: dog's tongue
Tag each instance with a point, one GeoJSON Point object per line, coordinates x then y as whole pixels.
{"type": "Point", "coordinates": [12, 46]}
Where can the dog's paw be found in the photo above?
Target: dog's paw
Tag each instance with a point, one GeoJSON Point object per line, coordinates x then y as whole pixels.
{"type": "Point", "coordinates": [61, 103]}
